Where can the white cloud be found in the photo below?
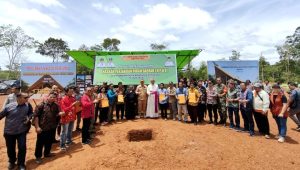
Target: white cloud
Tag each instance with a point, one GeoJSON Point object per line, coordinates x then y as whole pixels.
{"type": "Point", "coordinates": [20, 16]}
{"type": "Point", "coordinates": [48, 3]}
{"type": "Point", "coordinates": [162, 17]}
{"type": "Point", "coordinates": [109, 9]}
{"type": "Point", "coordinates": [170, 38]}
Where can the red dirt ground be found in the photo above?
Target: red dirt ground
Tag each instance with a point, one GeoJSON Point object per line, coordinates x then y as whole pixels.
{"type": "Point", "coordinates": [175, 146]}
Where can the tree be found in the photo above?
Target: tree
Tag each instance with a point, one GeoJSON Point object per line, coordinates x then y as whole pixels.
{"type": "Point", "coordinates": [14, 41]}
{"type": "Point", "coordinates": [83, 47]}
{"type": "Point", "coordinates": [235, 55]}
{"type": "Point", "coordinates": [111, 44]}
{"type": "Point", "coordinates": [159, 47]}
{"type": "Point", "coordinates": [54, 48]}
{"type": "Point", "coordinates": [96, 47]}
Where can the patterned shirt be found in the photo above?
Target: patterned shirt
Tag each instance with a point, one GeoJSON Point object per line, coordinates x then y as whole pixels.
{"type": "Point", "coordinates": [47, 114]}
{"type": "Point", "coordinates": [221, 89]}
{"type": "Point", "coordinates": [211, 95]}
{"type": "Point", "coordinates": [172, 94]}
{"type": "Point", "coordinates": [233, 94]}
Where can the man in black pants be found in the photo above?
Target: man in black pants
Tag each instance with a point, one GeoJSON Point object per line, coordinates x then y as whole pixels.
{"type": "Point", "coordinates": [45, 117]}
{"type": "Point", "coordinates": [16, 126]}
{"type": "Point", "coordinates": [202, 101]}
{"type": "Point", "coordinates": [246, 105]}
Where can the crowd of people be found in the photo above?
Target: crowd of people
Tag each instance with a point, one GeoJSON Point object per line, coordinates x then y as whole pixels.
{"type": "Point", "coordinates": [61, 112]}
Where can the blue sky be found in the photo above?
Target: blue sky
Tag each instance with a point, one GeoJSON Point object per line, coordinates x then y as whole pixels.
{"type": "Point", "coordinates": [217, 26]}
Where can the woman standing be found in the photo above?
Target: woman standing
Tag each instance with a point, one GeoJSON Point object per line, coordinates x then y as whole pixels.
{"type": "Point", "coordinates": [131, 103]}
{"type": "Point", "coordinates": [278, 108]}
{"type": "Point", "coordinates": [103, 105]}
{"type": "Point", "coordinates": [193, 99]}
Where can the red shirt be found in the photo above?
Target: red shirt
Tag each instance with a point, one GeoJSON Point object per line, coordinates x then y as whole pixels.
{"type": "Point", "coordinates": [87, 107]}
{"type": "Point", "coordinates": [66, 106]}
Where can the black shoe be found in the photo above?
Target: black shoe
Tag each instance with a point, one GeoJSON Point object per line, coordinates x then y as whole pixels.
{"type": "Point", "coordinates": [210, 122]}
{"type": "Point", "coordinates": [220, 122]}
{"type": "Point", "coordinates": [215, 123]}
{"type": "Point", "coordinates": [22, 167]}
{"type": "Point", "coordinates": [49, 155]}
{"type": "Point", "coordinates": [78, 129]}
{"type": "Point", "coordinates": [11, 166]}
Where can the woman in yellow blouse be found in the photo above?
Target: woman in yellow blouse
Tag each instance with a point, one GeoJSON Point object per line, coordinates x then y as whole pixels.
{"type": "Point", "coordinates": [193, 99]}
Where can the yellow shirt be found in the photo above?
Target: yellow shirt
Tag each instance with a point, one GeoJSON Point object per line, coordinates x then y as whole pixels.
{"type": "Point", "coordinates": [193, 96]}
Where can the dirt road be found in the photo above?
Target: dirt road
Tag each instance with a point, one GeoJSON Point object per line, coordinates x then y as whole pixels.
{"type": "Point", "coordinates": [175, 146]}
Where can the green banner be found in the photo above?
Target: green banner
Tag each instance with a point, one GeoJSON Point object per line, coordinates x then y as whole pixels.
{"type": "Point", "coordinates": [130, 69]}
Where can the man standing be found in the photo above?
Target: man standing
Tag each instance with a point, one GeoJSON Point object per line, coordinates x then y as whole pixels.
{"type": "Point", "coordinates": [261, 103]}
{"type": "Point", "coordinates": [202, 101]}
{"type": "Point", "coordinates": [16, 120]}
{"type": "Point", "coordinates": [246, 107]}
{"type": "Point", "coordinates": [232, 98]}
{"type": "Point", "coordinates": [152, 103]}
{"type": "Point", "coordinates": [181, 97]}
{"type": "Point", "coordinates": [267, 87]}
{"type": "Point", "coordinates": [294, 104]}
{"type": "Point", "coordinates": [221, 100]}
{"type": "Point", "coordinates": [68, 107]}
{"type": "Point", "coordinates": [171, 92]}
{"type": "Point", "coordinates": [111, 94]}
{"type": "Point", "coordinates": [141, 91]}
{"type": "Point", "coordinates": [45, 117]}
{"type": "Point", "coordinates": [163, 101]}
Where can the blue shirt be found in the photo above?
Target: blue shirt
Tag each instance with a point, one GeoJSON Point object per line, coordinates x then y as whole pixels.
{"type": "Point", "coordinates": [163, 91]}
{"type": "Point", "coordinates": [111, 96]}
{"type": "Point", "coordinates": [181, 91]}
{"type": "Point", "coordinates": [247, 95]}
{"type": "Point", "coordinates": [16, 115]}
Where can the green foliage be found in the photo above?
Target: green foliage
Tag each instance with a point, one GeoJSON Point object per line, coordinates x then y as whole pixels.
{"type": "Point", "coordinates": [235, 55]}
{"type": "Point", "coordinates": [191, 72]}
{"type": "Point", "coordinates": [14, 41]}
{"type": "Point", "coordinates": [111, 44]}
{"type": "Point", "coordinates": [54, 48]}
{"type": "Point", "coordinates": [288, 67]}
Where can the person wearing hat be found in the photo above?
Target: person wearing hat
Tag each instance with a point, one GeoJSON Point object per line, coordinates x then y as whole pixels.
{"type": "Point", "coordinates": [278, 109]}
{"type": "Point", "coordinates": [232, 102]}
{"type": "Point", "coordinates": [221, 100]}
{"type": "Point", "coordinates": [171, 92]}
{"type": "Point", "coordinates": [15, 129]}
{"type": "Point", "coordinates": [141, 91]}
{"type": "Point", "coordinates": [261, 103]}
{"type": "Point", "coordinates": [294, 104]}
